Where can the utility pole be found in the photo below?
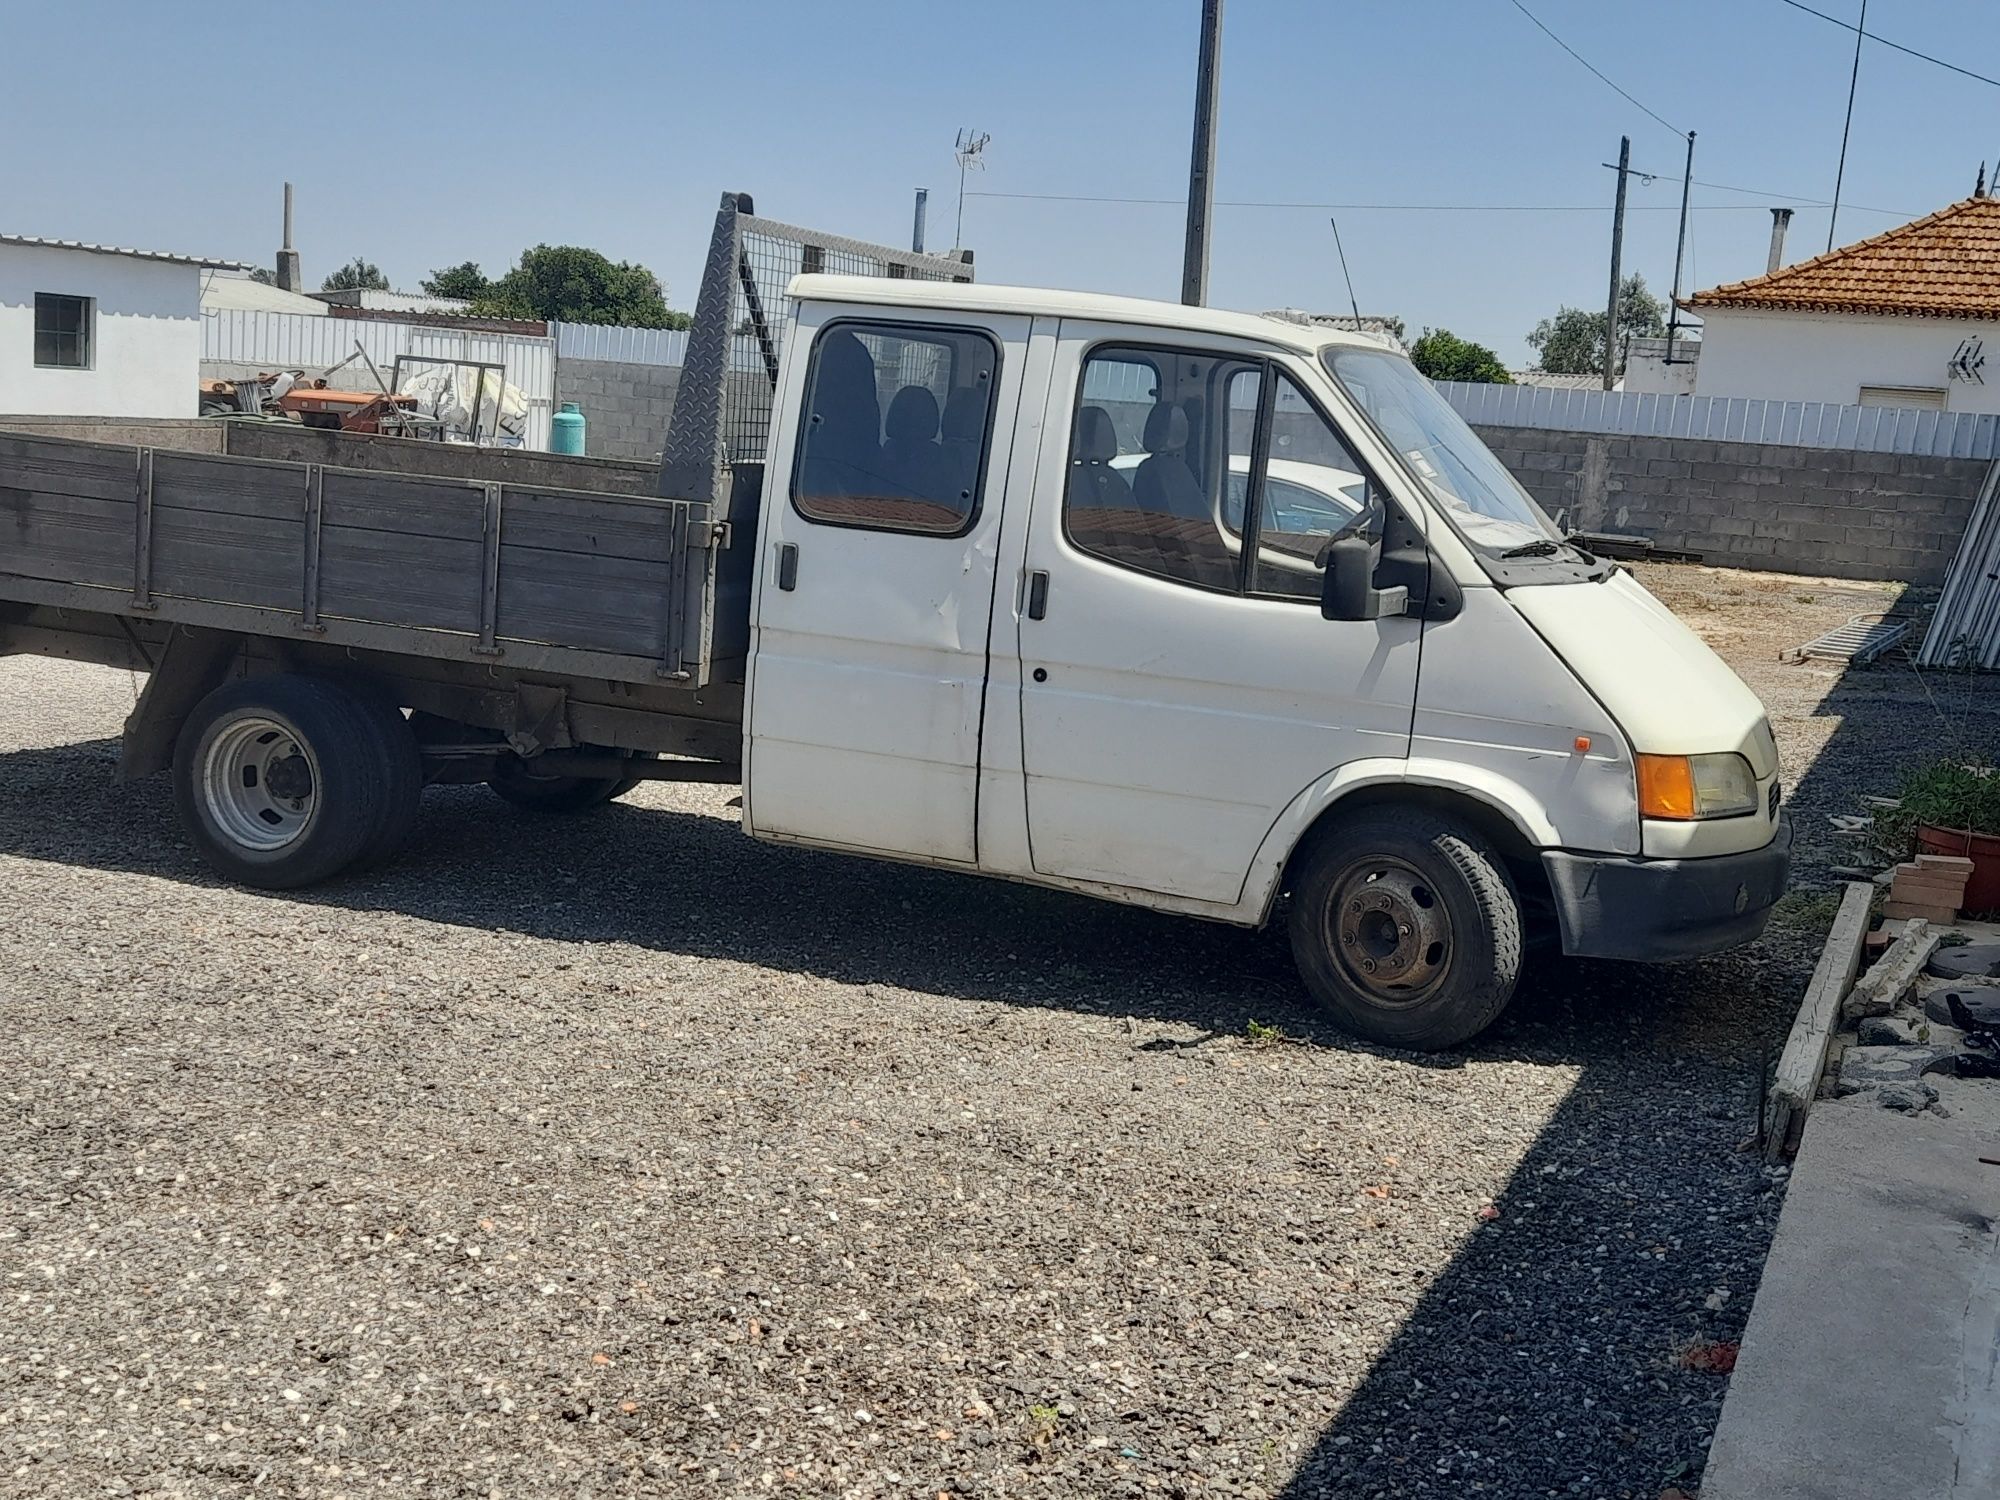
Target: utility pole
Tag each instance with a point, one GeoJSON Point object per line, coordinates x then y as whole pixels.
{"type": "Point", "coordinates": [1617, 250]}
{"type": "Point", "coordinates": [1680, 249]}
{"type": "Point", "coordinates": [1201, 162]}
{"type": "Point", "coordinates": [1853, 78]}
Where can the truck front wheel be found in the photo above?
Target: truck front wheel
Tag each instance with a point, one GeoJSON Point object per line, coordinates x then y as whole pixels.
{"type": "Point", "coordinates": [1406, 928]}
{"type": "Point", "coordinates": [280, 780]}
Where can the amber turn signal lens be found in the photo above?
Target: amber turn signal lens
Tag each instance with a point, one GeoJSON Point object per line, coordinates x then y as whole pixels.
{"type": "Point", "coordinates": [1666, 786]}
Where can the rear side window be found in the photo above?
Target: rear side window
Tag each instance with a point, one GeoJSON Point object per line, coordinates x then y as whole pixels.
{"type": "Point", "coordinates": [895, 429]}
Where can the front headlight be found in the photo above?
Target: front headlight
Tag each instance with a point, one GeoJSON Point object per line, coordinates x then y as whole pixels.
{"type": "Point", "coordinates": [1689, 787]}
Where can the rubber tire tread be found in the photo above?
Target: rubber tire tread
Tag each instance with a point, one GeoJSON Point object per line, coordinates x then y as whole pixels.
{"type": "Point", "coordinates": [353, 784]}
{"type": "Point", "coordinates": [403, 782]}
{"type": "Point", "coordinates": [1486, 925]}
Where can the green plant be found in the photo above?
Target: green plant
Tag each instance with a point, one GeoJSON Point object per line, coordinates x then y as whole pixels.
{"type": "Point", "coordinates": [1443, 355]}
{"type": "Point", "coordinates": [1954, 793]}
{"type": "Point", "coordinates": [1263, 1033]}
{"type": "Point", "coordinates": [1042, 1424]}
{"type": "Point", "coordinates": [1807, 909]}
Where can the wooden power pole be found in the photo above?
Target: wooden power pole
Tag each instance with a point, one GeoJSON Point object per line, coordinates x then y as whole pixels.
{"type": "Point", "coordinates": [1201, 163]}
{"type": "Point", "coordinates": [1617, 250]}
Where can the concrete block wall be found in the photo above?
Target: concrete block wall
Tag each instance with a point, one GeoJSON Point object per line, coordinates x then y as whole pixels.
{"type": "Point", "coordinates": [625, 406]}
{"type": "Point", "coordinates": [1826, 512]}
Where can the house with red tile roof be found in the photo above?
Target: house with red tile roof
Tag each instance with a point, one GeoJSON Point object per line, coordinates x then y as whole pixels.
{"type": "Point", "coordinates": [1907, 318]}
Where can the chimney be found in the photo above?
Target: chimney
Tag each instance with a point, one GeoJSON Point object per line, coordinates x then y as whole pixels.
{"type": "Point", "coordinates": [288, 258]}
{"type": "Point", "coordinates": [1781, 219]}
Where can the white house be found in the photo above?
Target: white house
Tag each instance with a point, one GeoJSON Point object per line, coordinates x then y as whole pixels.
{"type": "Point", "coordinates": [93, 331]}
{"type": "Point", "coordinates": [1907, 318]}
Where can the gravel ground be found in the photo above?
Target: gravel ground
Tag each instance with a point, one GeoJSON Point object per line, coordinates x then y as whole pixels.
{"type": "Point", "coordinates": [625, 1156]}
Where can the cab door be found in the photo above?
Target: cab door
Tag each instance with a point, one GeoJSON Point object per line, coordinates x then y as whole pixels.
{"type": "Point", "coordinates": [875, 583]}
{"type": "Point", "coordinates": [1179, 686]}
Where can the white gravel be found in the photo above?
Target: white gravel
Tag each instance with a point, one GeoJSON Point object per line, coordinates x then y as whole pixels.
{"type": "Point", "coordinates": [624, 1156]}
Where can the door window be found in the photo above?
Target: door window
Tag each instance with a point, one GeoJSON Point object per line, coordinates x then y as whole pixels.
{"type": "Point", "coordinates": [895, 429]}
{"type": "Point", "coordinates": [1157, 437]}
{"type": "Point", "coordinates": [1163, 463]}
{"type": "Point", "coordinates": [1314, 486]}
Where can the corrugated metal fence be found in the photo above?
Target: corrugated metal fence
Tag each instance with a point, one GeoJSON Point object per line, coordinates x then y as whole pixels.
{"type": "Point", "coordinates": [296, 341]}
{"type": "Point", "coordinates": [626, 346]}
{"type": "Point", "coordinates": [1965, 630]}
{"type": "Point", "coordinates": [1800, 424]}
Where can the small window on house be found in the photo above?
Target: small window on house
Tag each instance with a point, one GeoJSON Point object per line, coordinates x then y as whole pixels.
{"type": "Point", "coordinates": [62, 331]}
{"type": "Point", "coordinates": [1922, 397]}
{"type": "Point", "coordinates": [895, 427]}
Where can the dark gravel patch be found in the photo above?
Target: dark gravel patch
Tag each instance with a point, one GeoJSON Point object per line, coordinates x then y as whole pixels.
{"type": "Point", "coordinates": [625, 1156]}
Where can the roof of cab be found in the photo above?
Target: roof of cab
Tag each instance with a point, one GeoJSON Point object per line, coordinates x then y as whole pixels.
{"type": "Point", "coordinates": [1098, 307]}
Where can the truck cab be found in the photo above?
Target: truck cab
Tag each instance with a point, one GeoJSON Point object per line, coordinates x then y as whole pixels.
{"type": "Point", "coordinates": [1197, 610]}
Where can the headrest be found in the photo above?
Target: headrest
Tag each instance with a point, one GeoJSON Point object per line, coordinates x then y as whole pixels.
{"type": "Point", "coordinates": [965, 415]}
{"type": "Point", "coordinates": [1096, 440]}
{"type": "Point", "coordinates": [1166, 429]}
{"type": "Point", "coordinates": [913, 415]}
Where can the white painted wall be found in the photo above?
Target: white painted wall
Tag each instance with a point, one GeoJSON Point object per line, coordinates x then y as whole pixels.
{"type": "Point", "coordinates": [1830, 356]}
{"type": "Point", "coordinates": [146, 344]}
{"type": "Point", "coordinates": [1647, 371]}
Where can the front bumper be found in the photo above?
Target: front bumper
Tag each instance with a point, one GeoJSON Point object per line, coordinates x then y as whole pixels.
{"type": "Point", "coordinates": [1611, 906]}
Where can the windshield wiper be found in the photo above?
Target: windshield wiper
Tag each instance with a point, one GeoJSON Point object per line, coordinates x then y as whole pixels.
{"type": "Point", "coordinates": [1545, 547]}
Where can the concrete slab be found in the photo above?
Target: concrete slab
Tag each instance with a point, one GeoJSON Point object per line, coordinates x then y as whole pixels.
{"type": "Point", "coordinates": [1870, 1369]}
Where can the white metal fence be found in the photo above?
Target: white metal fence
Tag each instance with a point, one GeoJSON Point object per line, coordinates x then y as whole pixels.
{"type": "Point", "coordinates": [298, 341]}
{"type": "Point", "coordinates": [1800, 424]}
{"type": "Point", "coordinates": [628, 346]}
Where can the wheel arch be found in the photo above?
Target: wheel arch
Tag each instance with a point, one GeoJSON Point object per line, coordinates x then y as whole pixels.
{"type": "Point", "coordinates": [1503, 812]}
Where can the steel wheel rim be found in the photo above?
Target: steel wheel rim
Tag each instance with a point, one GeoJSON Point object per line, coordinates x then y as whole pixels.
{"type": "Point", "coordinates": [1387, 928]}
{"type": "Point", "coordinates": [260, 784]}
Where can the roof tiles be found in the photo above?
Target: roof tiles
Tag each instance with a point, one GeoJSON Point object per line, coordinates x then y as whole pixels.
{"type": "Point", "coordinates": [1945, 265]}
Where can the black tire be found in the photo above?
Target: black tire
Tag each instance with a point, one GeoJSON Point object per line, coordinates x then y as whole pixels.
{"type": "Point", "coordinates": [402, 786]}
{"type": "Point", "coordinates": [513, 780]}
{"type": "Point", "coordinates": [1406, 927]}
{"type": "Point", "coordinates": [321, 738]}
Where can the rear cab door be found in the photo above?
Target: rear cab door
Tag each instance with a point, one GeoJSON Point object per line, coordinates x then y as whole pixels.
{"type": "Point", "coordinates": [875, 587]}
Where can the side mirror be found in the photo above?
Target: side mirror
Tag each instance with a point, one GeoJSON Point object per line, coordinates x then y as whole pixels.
{"type": "Point", "coordinates": [1347, 588]}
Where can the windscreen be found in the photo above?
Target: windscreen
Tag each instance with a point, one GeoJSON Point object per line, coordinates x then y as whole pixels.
{"type": "Point", "coordinates": [1472, 487]}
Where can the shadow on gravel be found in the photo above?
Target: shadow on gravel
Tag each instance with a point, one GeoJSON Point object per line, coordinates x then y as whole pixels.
{"type": "Point", "coordinates": [1541, 1360]}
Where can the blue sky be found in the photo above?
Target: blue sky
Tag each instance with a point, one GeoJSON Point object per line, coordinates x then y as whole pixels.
{"type": "Point", "coordinates": [492, 127]}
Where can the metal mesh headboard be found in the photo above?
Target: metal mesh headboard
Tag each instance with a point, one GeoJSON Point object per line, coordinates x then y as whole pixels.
{"type": "Point", "coordinates": [722, 409]}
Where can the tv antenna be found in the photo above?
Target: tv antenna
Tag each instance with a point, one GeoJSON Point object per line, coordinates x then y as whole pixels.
{"type": "Point", "coordinates": [969, 148]}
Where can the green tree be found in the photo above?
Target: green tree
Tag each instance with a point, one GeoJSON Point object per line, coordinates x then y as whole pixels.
{"type": "Point", "coordinates": [566, 283]}
{"type": "Point", "coordinates": [264, 276]}
{"type": "Point", "coordinates": [464, 280]}
{"type": "Point", "coordinates": [1572, 342]}
{"type": "Point", "coordinates": [357, 275]}
{"type": "Point", "coordinates": [1443, 355]}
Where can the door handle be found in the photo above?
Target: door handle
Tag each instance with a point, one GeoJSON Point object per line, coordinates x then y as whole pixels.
{"type": "Point", "coordinates": [1038, 595]}
{"type": "Point", "coordinates": [788, 566]}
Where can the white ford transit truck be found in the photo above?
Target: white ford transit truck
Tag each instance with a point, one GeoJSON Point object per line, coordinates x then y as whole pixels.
{"type": "Point", "coordinates": [1219, 614]}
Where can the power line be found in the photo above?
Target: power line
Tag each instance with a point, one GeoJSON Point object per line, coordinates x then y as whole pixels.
{"type": "Point", "coordinates": [1469, 208]}
{"type": "Point", "coordinates": [1588, 64]}
{"type": "Point", "coordinates": [1892, 46]}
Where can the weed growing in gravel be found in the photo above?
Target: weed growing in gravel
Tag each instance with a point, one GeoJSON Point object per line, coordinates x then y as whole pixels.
{"type": "Point", "coordinates": [1042, 1424]}
{"type": "Point", "coordinates": [1806, 909]}
{"type": "Point", "coordinates": [1264, 1034]}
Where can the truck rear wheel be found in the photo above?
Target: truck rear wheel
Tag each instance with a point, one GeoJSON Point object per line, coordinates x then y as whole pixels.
{"type": "Point", "coordinates": [402, 781]}
{"type": "Point", "coordinates": [515, 780]}
{"type": "Point", "coordinates": [1406, 928]}
{"type": "Point", "coordinates": [281, 780]}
